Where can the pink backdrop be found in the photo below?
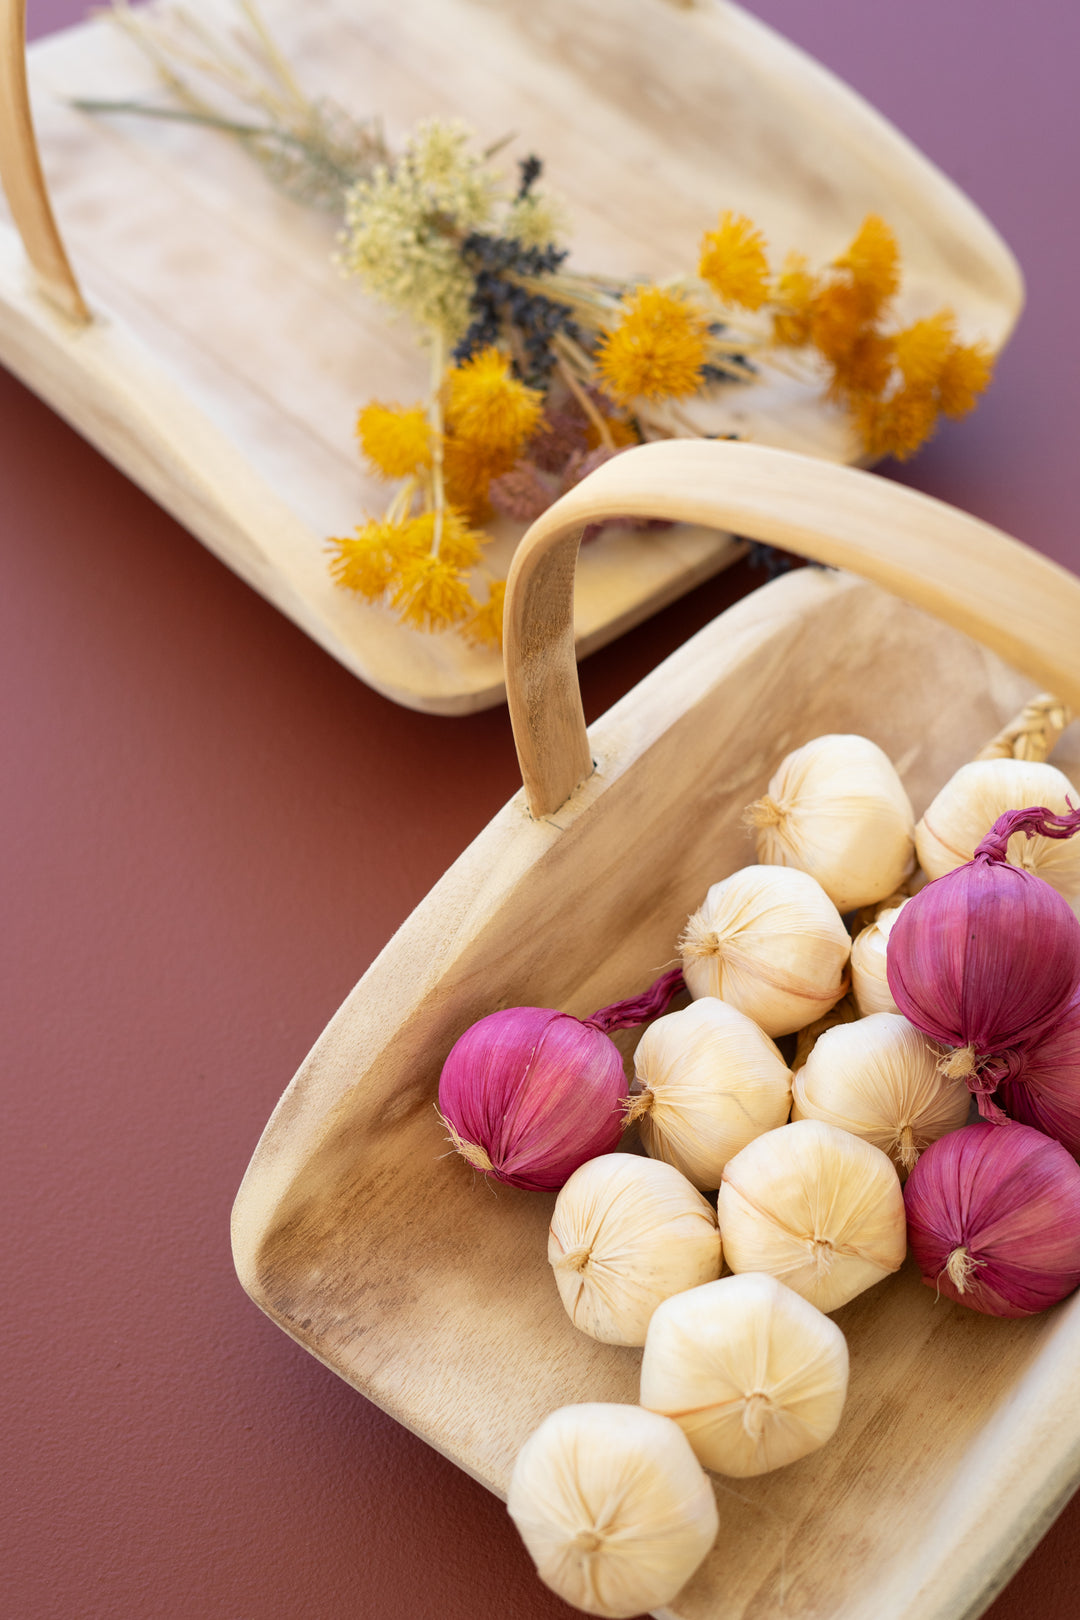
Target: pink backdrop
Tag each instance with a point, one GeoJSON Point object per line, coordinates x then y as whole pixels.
{"type": "Point", "coordinates": [209, 829]}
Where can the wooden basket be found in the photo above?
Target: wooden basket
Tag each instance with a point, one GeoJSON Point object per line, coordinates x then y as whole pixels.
{"type": "Point", "coordinates": [404, 1273]}
{"type": "Point", "coordinates": [225, 357]}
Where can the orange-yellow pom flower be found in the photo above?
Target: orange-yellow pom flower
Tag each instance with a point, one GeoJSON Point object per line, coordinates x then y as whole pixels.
{"type": "Point", "coordinates": [656, 351]}
{"type": "Point", "coordinates": [484, 628]}
{"type": "Point", "coordinates": [873, 263]}
{"type": "Point", "coordinates": [459, 545]}
{"type": "Point", "coordinates": [396, 439]}
{"type": "Point", "coordinates": [431, 594]}
{"type": "Point", "coordinates": [468, 469]}
{"type": "Point", "coordinates": [837, 320]}
{"type": "Point", "coordinates": [796, 289]}
{"type": "Point", "coordinates": [922, 349]}
{"type": "Point", "coordinates": [899, 425]}
{"type": "Point", "coordinates": [733, 262]}
{"type": "Point", "coordinates": [366, 562]}
{"type": "Point", "coordinates": [967, 370]}
{"type": "Point", "coordinates": [863, 369]}
{"type": "Point", "coordinates": [488, 406]}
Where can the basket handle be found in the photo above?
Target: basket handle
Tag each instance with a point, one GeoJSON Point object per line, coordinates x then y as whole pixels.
{"type": "Point", "coordinates": [961, 570]}
{"type": "Point", "coordinates": [21, 173]}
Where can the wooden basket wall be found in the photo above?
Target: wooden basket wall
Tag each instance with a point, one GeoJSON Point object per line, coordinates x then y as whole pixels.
{"type": "Point", "coordinates": [395, 1266]}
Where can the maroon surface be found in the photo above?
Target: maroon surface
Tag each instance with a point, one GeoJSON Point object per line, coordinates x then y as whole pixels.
{"type": "Point", "coordinates": [209, 829]}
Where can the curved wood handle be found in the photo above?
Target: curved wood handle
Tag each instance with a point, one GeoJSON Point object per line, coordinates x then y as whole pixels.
{"type": "Point", "coordinates": [961, 570]}
{"type": "Point", "coordinates": [20, 170]}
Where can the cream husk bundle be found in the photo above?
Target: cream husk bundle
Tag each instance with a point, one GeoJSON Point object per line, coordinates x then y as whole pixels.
{"type": "Point", "coordinates": [815, 1207]}
{"type": "Point", "coordinates": [881, 1079]}
{"type": "Point", "coordinates": [836, 808]}
{"type": "Point", "coordinates": [971, 801]}
{"type": "Point", "coordinates": [845, 1012]}
{"type": "Point", "coordinates": [613, 1506]}
{"type": "Point", "coordinates": [626, 1233]}
{"type": "Point", "coordinates": [869, 984]}
{"type": "Point", "coordinates": [754, 1375]}
{"type": "Point", "coordinates": [711, 1081]}
{"type": "Point", "coordinates": [769, 941]}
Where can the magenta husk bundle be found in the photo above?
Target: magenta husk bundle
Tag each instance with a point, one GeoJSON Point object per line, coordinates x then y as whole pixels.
{"type": "Point", "coordinates": [987, 957]}
{"type": "Point", "coordinates": [529, 1094]}
{"type": "Point", "coordinates": [1039, 1083]}
{"type": "Point", "coordinates": [994, 1219]}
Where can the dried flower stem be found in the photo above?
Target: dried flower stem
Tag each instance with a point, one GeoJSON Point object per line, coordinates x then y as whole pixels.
{"type": "Point", "coordinates": [274, 57]}
{"type": "Point", "coordinates": [438, 488]}
{"type": "Point", "coordinates": [579, 393]}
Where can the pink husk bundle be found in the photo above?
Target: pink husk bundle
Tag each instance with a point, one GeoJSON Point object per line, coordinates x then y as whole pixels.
{"type": "Point", "coordinates": [994, 1219]}
{"type": "Point", "coordinates": [1038, 1083]}
{"type": "Point", "coordinates": [987, 956]}
{"type": "Point", "coordinates": [529, 1094]}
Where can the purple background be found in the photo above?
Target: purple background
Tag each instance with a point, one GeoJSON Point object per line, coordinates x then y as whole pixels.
{"type": "Point", "coordinates": [210, 829]}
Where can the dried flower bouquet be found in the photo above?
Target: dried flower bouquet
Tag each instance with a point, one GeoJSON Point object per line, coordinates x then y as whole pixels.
{"type": "Point", "coordinates": [539, 373]}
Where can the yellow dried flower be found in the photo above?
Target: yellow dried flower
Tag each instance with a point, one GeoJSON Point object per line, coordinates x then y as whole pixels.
{"type": "Point", "coordinates": [873, 263]}
{"type": "Point", "coordinates": [733, 261]}
{"type": "Point", "coordinates": [796, 289]}
{"type": "Point", "coordinates": [967, 370]}
{"type": "Point", "coordinates": [485, 627]}
{"type": "Point", "coordinates": [468, 469]}
{"type": "Point", "coordinates": [396, 439]}
{"type": "Point", "coordinates": [367, 561]}
{"type": "Point", "coordinates": [656, 351]}
{"type": "Point", "coordinates": [489, 406]}
{"type": "Point", "coordinates": [431, 594]}
{"type": "Point", "coordinates": [898, 425]}
{"type": "Point", "coordinates": [459, 545]}
{"type": "Point", "coordinates": [622, 432]}
{"type": "Point", "coordinates": [922, 348]}
{"type": "Point", "coordinates": [837, 321]}
{"type": "Point", "coordinates": [865, 368]}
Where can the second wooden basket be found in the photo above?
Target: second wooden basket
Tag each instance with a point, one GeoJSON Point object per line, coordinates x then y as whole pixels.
{"type": "Point", "coordinates": [205, 342]}
{"type": "Point", "coordinates": [358, 1234]}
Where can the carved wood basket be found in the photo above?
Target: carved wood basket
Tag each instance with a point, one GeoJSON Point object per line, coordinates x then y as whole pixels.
{"type": "Point", "coordinates": [209, 347]}
{"type": "Point", "coordinates": [387, 1259]}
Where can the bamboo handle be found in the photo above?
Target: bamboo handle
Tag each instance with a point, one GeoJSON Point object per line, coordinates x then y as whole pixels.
{"type": "Point", "coordinates": [963, 571]}
{"type": "Point", "coordinates": [20, 170]}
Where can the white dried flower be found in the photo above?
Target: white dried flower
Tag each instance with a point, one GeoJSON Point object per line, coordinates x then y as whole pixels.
{"type": "Point", "coordinates": [535, 220]}
{"type": "Point", "coordinates": [404, 226]}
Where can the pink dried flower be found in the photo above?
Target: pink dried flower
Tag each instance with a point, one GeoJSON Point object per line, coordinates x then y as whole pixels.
{"type": "Point", "coordinates": [521, 493]}
{"type": "Point", "coordinates": [994, 1219]}
{"type": "Point", "coordinates": [582, 463]}
{"type": "Point", "coordinates": [560, 433]}
{"type": "Point", "coordinates": [529, 1094]}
